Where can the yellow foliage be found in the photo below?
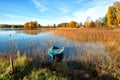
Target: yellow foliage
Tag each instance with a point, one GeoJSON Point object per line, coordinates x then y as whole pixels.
{"type": "Point", "coordinates": [89, 24]}
{"type": "Point", "coordinates": [72, 24]}
{"type": "Point", "coordinates": [30, 24]}
{"type": "Point", "coordinates": [110, 16]}
{"type": "Point", "coordinates": [113, 14]}
{"type": "Point", "coordinates": [69, 25]}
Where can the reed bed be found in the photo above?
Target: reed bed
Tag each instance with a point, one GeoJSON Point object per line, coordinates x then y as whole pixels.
{"type": "Point", "coordinates": [90, 34]}
{"type": "Point", "coordinates": [109, 37]}
{"type": "Point", "coordinates": [87, 67]}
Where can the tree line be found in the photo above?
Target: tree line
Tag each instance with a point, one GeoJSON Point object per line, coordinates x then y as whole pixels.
{"type": "Point", "coordinates": [111, 19]}
{"type": "Point", "coordinates": [31, 24]}
{"type": "Point", "coordinates": [10, 26]}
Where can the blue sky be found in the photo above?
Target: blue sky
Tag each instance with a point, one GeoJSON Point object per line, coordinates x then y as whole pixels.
{"type": "Point", "coordinates": [48, 12]}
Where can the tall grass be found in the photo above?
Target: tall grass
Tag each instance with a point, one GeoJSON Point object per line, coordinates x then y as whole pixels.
{"type": "Point", "coordinates": [87, 67]}
{"type": "Point", "coordinates": [111, 40]}
{"type": "Point", "coordinates": [109, 37]}
{"type": "Point", "coordinates": [90, 35]}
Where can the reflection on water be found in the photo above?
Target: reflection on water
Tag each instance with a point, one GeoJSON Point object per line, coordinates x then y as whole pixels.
{"type": "Point", "coordinates": [13, 40]}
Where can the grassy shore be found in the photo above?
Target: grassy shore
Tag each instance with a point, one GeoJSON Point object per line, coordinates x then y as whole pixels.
{"type": "Point", "coordinates": [109, 37]}
{"type": "Point", "coordinates": [90, 34]}
{"type": "Point", "coordinates": [87, 67]}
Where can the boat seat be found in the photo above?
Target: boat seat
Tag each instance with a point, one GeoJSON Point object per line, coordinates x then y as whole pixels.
{"type": "Point", "coordinates": [54, 47]}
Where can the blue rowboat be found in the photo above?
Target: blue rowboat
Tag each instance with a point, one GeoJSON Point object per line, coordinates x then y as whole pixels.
{"type": "Point", "coordinates": [54, 51]}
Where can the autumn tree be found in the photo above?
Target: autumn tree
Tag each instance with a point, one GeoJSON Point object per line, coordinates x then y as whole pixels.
{"type": "Point", "coordinates": [113, 14]}
{"type": "Point", "coordinates": [89, 24]}
{"type": "Point", "coordinates": [98, 22]}
{"type": "Point", "coordinates": [30, 24]}
{"type": "Point", "coordinates": [26, 24]}
{"type": "Point", "coordinates": [111, 17]}
{"type": "Point", "coordinates": [72, 24]}
{"type": "Point", "coordinates": [86, 24]}
{"type": "Point", "coordinates": [62, 25]}
{"type": "Point", "coordinates": [117, 7]}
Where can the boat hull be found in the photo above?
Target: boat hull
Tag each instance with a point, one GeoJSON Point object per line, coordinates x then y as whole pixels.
{"type": "Point", "coordinates": [56, 53]}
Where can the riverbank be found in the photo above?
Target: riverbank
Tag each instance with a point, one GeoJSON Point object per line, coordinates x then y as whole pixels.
{"type": "Point", "coordinates": [87, 67]}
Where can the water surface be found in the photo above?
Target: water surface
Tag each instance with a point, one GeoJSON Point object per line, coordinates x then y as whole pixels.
{"type": "Point", "coordinates": [12, 40]}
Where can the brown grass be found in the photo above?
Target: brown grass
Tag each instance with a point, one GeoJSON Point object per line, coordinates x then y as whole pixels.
{"type": "Point", "coordinates": [90, 35]}
{"type": "Point", "coordinates": [90, 66]}
{"type": "Point", "coordinates": [110, 64]}
{"type": "Point", "coordinates": [110, 37]}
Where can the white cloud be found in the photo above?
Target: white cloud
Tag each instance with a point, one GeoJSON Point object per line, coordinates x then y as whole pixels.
{"type": "Point", "coordinates": [39, 5]}
{"type": "Point", "coordinates": [22, 19]}
{"type": "Point", "coordinates": [95, 10]}
{"type": "Point", "coordinates": [18, 16]}
{"type": "Point", "coordinates": [94, 13]}
{"type": "Point", "coordinates": [11, 16]}
{"type": "Point", "coordinates": [25, 17]}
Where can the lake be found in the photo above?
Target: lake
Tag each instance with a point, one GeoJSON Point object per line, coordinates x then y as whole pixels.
{"type": "Point", "coordinates": [38, 42]}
